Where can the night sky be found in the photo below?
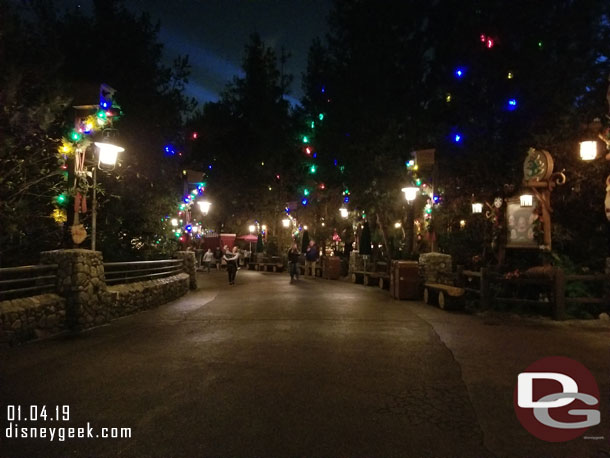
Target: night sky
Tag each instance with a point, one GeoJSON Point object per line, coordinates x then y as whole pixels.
{"type": "Point", "coordinates": [214, 32]}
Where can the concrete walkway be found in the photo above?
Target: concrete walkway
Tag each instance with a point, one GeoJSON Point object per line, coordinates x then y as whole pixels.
{"type": "Point", "coordinates": [317, 368]}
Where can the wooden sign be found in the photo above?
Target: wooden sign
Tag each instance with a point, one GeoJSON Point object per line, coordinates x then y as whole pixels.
{"type": "Point", "coordinates": [79, 234]}
{"type": "Point", "coordinates": [538, 165]}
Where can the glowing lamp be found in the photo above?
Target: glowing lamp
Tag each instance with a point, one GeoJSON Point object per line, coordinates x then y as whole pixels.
{"type": "Point", "coordinates": [588, 150]}
{"type": "Point", "coordinates": [477, 207]}
{"type": "Point", "coordinates": [204, 206]}
{"type": "Point", "coordinates": [410, 193]}
{"type": "Point", "coordinates": [397, 225]}
{"type": "Point", "coordinates": [174, 222]}
{"type": "Point", "coordinates": [286, 222]}
{"type": "Point", "coordinates": [108, 153]}
{"type": "Point", "coordinates": [251, 228]}
{"type": "Point", "coordinates": [526, 200]}
{"type": "Point", "coordinates": [462, 223]}
{"type": "Point", "coordinates": [304, 228]}
{"type": "Point", "coordinates": [343, 212]}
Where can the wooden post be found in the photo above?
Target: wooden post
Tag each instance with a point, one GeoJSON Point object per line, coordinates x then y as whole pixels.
{"type": "Point", "coordinates": [546, 218]}
{"type": "Point", "coordinates": [607, 282]}
{"type": "Point", "coordinates": [485, 291]}
{"type": "Point", "coordinates": [459, 276]}
{"type": "Point", "coordinates": [559, 309]}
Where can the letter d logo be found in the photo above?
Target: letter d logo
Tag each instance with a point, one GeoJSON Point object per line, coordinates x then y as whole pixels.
{"type": "Point", "coordinates": [553, 395]}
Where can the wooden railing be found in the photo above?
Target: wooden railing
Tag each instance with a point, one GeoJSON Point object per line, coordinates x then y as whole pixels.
{"type": "Point", "coordinates": [552, 286]}
{"type": "Point", "coordinates": [27, 280]}
{"type": "Point", "coordinates": [126, 272]}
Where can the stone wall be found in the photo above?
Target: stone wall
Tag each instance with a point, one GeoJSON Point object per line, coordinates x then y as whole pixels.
{"type": "Point", "coordinates": [83, 299]}
{"type": "Point", "coordinates": [435, 268]}
{"type": "Point", "coordinates": [190, 266]}
{"type": "Point", "coordinates": [132, 297]}
{"type": "Point", "coordinates": [80, 280]}
{"type": "Point", "coordinates": [31, 317]}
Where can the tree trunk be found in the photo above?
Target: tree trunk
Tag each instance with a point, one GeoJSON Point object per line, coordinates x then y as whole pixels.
{"type": "Point", "coordinates": [383, 229]}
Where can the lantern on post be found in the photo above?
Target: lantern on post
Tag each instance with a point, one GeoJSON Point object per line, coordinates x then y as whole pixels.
{"type": "Point", "coordinates": [204, 206]}
{"type": "Point", "coordinates": [526, 200]}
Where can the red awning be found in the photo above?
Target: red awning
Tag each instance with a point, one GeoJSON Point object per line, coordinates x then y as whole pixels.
{"type": "Point", "coordinates": [248, 238]}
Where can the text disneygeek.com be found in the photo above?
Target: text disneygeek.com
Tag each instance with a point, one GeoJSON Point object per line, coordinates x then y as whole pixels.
{"type": "Point", "coordinates": [21, 418]}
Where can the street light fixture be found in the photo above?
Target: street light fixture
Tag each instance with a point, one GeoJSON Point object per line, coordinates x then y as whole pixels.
{"type": "Point", "coordinates": [108, 153]}
{"type": "Point", "coordinates": [588, 150]}
{"type": "Point", "coordinates": [410, 196]}
{"type": "Point", "coordinates": [410, 193]}
{"type": "Point", "coordinates": [251, 228]}
{"type": "Point", "coordinates": [526, 200]}
{"type": "Point", "coordinates": [204, 206]}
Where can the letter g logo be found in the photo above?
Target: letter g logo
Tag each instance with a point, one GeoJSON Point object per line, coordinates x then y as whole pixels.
{"type": "Point", "coordinates": [550, 396]}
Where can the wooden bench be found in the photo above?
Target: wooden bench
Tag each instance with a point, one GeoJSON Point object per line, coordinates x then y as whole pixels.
{"type": "Point", "coordinates": [378, 277]}
{"type": "Point", "coordinates": [318, 270]}
{"type": "Point", "coordinates": [266, 266]}
{"type": "Point", "coordinates": [447, 297]}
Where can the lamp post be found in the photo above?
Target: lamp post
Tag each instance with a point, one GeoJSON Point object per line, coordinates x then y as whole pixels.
{"type": "Point", "coordinates": [589, 152]}
{"type": "Point", "coordinates": [538, 175]}
{"type": "Point", "coordinates": [87, 138]}
{"type": "Point", "coordinates": [107, 157]}
{"type": "Point", "coordinates": [410, 196]}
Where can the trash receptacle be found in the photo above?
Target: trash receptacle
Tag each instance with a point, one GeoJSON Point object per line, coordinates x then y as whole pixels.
{"type": "Point", "coordinates": [331, 267]}
{"type": "Point", "coordinates": [404, 280]}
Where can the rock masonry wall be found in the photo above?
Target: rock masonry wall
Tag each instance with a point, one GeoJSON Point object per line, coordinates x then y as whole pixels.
{"type": "Point", "coordinates": [83, 300]}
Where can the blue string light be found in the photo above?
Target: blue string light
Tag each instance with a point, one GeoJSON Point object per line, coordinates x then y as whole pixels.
{"type": "Point", "coordinates": [459, 72]}
{"type": "Point", "coordinates": [512, 104]}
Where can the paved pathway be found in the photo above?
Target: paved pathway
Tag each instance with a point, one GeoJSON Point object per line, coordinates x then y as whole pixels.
{"type": "Point", "coordinates": [312, 369]}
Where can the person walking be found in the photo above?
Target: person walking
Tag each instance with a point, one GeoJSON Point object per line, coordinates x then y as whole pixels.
{"type": "Point", "coordinates": [311, 258]}
{"type": "Point", "coordinates": [217, 257]}
{"type": "Point", "coordinates": [231, 259]}
{"type": "Point", "coordinates": [208, 258]}
{"type": "Point", "coordinates": [293, 262]}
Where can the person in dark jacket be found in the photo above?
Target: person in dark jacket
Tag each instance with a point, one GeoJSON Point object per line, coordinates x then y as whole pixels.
{"type": "Point", "coordinates": [293, 262]}
{"type": "Point", "coordinates": [217, 257]}
{"type": "Point", "coordinates": [231, 258]}
{"type": "Point", "coordinates": [311, 258]}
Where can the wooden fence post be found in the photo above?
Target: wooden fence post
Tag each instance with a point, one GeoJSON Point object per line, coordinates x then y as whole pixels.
{"type": "Point", "coordinates": [485, 290]}
{"type": "Point", "coordinates": [459, 276]}
{"type": "Point", "coordinates": [559, 309]}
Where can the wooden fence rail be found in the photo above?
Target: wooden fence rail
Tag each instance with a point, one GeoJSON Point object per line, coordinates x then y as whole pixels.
{"type": "Point", "coordinates": [554, 284]}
